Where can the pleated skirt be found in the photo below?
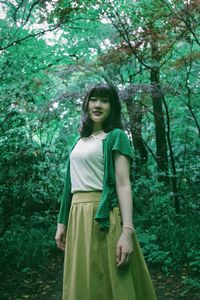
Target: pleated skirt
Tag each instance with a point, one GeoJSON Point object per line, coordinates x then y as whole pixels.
{"type": "Point", "coordinates": [90, 271]}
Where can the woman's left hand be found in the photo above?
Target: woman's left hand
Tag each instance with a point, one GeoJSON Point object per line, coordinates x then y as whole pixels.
{"type": "Point", "coordinates": [124, 247]}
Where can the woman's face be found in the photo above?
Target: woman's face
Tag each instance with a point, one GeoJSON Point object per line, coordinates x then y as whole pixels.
{"type": "Point", "coordinates": [99, 109]}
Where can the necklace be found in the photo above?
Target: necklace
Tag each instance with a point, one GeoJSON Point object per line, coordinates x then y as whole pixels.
{"type": "Point", "coordinates": [96, 135]}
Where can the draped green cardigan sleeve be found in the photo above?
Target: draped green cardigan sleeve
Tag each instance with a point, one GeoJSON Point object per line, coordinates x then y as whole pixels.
{"type": "Point", "coordinates": [116, 140]}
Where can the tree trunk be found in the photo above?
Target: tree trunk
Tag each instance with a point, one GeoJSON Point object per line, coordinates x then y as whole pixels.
{"type": "Point", "coordinates": [173, 178]}
{"type": "Point", "coordinates": [161, 145]}
{"type": "Point", "coordinates": [156, 93]}
{"type": "Point", "coordinates": [135, 115]}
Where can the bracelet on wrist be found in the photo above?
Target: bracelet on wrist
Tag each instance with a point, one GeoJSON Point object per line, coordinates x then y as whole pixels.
{"type": "Point", "coordinates": [128, 227]}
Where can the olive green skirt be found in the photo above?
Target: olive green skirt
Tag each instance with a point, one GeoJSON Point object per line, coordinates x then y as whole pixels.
{"type": "Point", "coordinates": [90, 271]}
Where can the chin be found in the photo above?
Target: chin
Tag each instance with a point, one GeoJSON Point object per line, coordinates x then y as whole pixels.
{"type": "Point", "coordinates": [96, 120]}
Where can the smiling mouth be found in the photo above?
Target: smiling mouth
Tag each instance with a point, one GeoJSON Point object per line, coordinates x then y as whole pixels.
{"type": "Point", "coordinates": [97, 113]}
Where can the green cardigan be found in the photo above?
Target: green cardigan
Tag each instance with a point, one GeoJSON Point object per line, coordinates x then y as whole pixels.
{"type": "Point", "coordinates": [116, 140]}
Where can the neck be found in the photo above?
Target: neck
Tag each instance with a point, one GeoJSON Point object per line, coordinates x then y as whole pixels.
{"type": "Point", "coordinates": [97, 128]}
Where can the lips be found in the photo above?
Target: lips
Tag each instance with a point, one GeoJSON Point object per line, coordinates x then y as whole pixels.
{"type": "Point", "coordinates": [97, 113]}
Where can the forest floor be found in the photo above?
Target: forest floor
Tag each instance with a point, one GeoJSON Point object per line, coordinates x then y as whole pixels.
{"type": "Point", "coordinates": [46, 284]}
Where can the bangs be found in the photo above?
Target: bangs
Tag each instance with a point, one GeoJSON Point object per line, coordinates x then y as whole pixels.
{"type": "Point", "coordinates": [101, 91]}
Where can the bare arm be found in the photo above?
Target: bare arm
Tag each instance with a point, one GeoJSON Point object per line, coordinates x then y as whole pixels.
{"type": "Point", "coordinates": [123, 187]}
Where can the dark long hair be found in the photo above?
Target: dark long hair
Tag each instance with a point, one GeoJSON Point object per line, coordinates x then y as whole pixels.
{"type": "Point", "coordinates": [114, 119]}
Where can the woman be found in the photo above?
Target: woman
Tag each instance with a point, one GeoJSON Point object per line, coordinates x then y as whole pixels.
{"type": "Point", "coordinates": [103, 259]}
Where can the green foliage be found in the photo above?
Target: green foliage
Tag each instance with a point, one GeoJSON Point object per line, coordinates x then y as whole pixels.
{"type": "Point", "coordinates": [43, 79]}
{"type": "Point", "coordinates": [191, 285]}
{"type": "Point", "coordinates": [28, 245]}
{"type": "Point", "coordinates": [168, 239]}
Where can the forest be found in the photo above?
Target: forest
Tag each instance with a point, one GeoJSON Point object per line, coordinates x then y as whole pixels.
{"type": "Point", "coordinates": [51, 53]}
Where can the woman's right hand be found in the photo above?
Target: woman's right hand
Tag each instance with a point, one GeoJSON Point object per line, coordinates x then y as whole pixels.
{"type": "Point", "coordinates": [60, 236]}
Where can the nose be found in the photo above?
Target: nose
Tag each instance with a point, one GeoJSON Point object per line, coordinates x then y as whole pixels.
{"type": "Point", "coordinates": [98, 103]}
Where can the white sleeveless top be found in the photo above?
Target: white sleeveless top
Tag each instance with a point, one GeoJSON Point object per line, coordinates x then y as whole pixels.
{"type": "Point", "coordinates": [87, 165]}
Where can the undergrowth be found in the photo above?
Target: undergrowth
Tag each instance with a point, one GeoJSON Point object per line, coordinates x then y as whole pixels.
{"type": "Point", "coordinates": [169, 240]}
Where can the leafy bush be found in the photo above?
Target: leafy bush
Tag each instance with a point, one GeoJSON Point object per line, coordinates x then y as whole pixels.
{"type": "Point", "coordinates": [28, 245]}
{"type": "Point", "coordinates": [168, 239]}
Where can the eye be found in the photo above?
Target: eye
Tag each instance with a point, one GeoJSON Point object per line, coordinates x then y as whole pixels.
{"type": "Point", "coordinates": [93, 99]}
{"type": "Point", "coordinates": [105, 100]}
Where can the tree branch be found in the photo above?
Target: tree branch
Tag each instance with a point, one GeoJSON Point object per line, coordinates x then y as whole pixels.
{"type": "Point", "coordinates": [30, 10]}
{"type": "Point", "coordinates": [17, 9]}
{"type": "Point", "coordinates": [186, 21]}
{"type": "Point", "coordinates": [18, 41]}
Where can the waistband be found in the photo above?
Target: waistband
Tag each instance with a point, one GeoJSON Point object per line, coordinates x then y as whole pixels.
{"type": "Point", "coordinates": [86, 197]}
